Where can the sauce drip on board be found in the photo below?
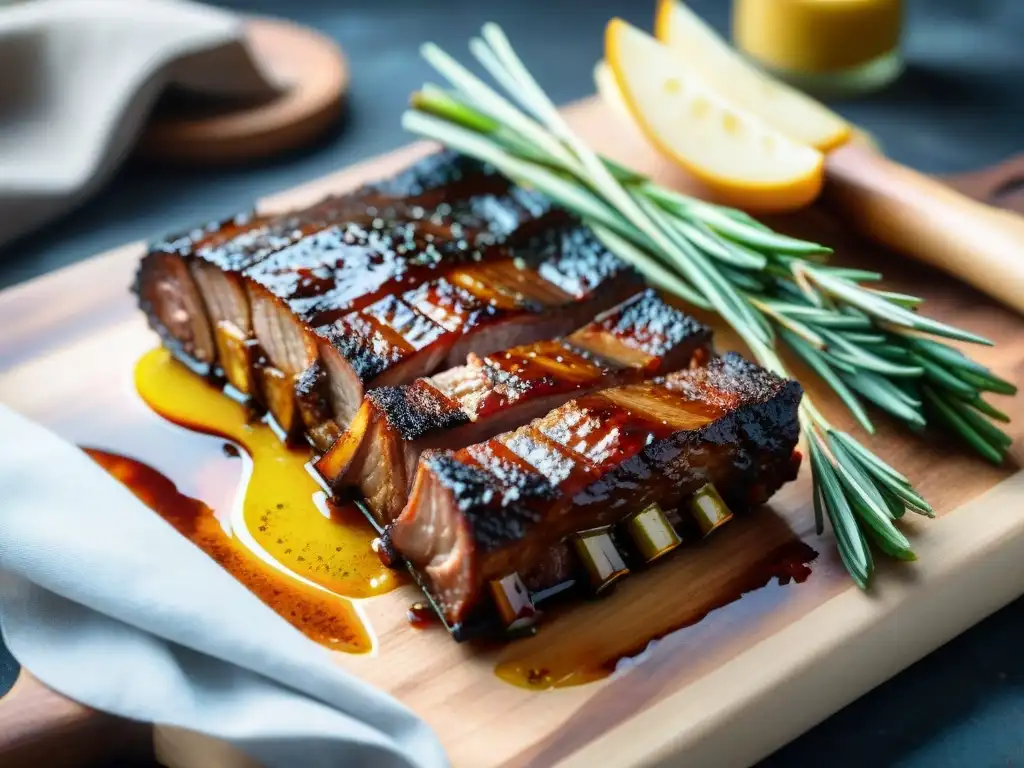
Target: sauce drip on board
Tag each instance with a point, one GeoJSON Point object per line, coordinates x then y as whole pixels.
{"type": "Point", "coordinates": [327, 619]}
{"type": "Point", "coordinates": [285, 517]}
{"type": "Point", "coordinates": [561, 656]}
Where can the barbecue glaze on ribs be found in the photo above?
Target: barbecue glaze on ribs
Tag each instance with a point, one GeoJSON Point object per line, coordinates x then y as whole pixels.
{"type": "Point", "coordinates": [466, 404]}
{"type": "Point", "coordinates": [501, 506]}
{"type": "Point", "coordinates": [371, 323]}
{"type": "Point", "coordinates": [306, 311]}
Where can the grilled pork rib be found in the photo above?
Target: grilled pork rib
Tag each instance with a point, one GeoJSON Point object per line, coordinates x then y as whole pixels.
{"type": "Point", "coordinates": [305, 313]}
{"type": "Point", "coordinates": [501, 506]}
{"type": "Point", "coordinates": [637, 340]}
{"type": "Point", "coordinates": [382, 310]}
{"type": "Point", "coordinates": [334, 316]}
{"type": "Point", "coordinates": [219, 253]}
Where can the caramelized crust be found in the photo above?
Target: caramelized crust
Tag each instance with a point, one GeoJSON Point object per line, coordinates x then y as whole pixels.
{"type": "Point", "coordinates": [218, 253]}
{"type": "Point", "coordinates": [505, 503]}
{"type": "Point", "coordinates": [656, 333]}
{"type": "Point", "coordinates": [571, 258]}
{"type": "Point", "coordinates": [499, 391]}
{"type": "Point", "coordinates": [377, 288]}
{"type": "Point", "coordinates": [450, 306]}
{"type": "Point", "coordinates": [413, 410]}
{"type": "Point", "coordinates": [449, 310]}
{"type": "Point", "coordinates": [210, 235]}
{"type": "Point", "coordinates": [324, 276]}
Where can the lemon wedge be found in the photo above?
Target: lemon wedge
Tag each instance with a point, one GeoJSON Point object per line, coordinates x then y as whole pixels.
{"type": "Point", "coordinates": [743, 160]}
{"type": "Point", "coordinates": [703, 51]}
{"type": "Point", "coordinates": [608, 89]}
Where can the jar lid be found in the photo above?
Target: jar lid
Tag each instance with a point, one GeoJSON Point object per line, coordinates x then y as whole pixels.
{"type": "Point", "coordinates": [816, 36]}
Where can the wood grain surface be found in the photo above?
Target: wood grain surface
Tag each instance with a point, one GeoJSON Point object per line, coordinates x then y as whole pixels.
{"type": "Point", "coordinates": [920, 216]}
{"type": "Point", "coordinates": [768, 666]}
{"type": "Point", "coordinates": [39, 727]}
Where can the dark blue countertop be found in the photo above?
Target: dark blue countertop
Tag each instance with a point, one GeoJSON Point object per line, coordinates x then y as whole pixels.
{"type": "Point", "coordinates": [958, 107]}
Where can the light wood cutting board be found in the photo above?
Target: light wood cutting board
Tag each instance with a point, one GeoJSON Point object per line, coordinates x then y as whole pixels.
{"type": "Point", "coordinates": [726, 691]}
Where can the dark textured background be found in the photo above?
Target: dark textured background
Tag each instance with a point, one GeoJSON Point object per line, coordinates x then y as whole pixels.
{"type": "Point", "coordinates": [957, 107]}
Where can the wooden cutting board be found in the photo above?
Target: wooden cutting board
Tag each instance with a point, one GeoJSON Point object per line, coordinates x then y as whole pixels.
{"type": "Point", "coordinates": [731, 688]}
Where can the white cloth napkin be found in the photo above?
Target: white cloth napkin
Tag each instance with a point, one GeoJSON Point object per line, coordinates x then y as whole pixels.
{"type": "Point", "coordinates": [78, 79]}
{"type": "Point", "coordinates": [105, 603]}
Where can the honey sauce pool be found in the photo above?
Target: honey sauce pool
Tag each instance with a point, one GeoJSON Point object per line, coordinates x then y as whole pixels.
{"type": "Point", "coordinates": [283, 538]}
{"type": "Point", "coordinates": [285, 516]}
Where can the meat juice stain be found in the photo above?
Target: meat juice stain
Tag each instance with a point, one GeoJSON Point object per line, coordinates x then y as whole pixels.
{"type": "Point", "coordinates": [579, 661]}
{"type": "Point", "coordinates": [325, 618]}
{"type": "Point", "coordinates": [284, 510]}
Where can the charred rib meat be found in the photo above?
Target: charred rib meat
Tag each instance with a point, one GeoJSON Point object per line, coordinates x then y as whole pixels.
{"type": "Point", "coordinates": [637, 340]}
{"type": "Point", "coordinates": [335, 315]}
{"type": "Point", "coordinates": [219, 253]}
{"type": "Point", "coordinates": [497, 508]}
{"type": "Point", "coordinates": [307, 311]}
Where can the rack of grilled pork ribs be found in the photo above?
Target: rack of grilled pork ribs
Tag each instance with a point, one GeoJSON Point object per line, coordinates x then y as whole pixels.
{"type": "Point", "coordinates": [515, 411]}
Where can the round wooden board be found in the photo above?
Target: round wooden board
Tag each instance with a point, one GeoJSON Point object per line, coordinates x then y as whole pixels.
{"type": "Point", "coordinates": [316, 74]}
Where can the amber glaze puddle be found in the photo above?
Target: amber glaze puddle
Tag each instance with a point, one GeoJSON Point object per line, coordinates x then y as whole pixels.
{"type": "Point", "coordinates": [284, 511]}
{"type": "Point", "coordinates": [283, 520]}
{"type": "Point", "coordinates": [328, 619]}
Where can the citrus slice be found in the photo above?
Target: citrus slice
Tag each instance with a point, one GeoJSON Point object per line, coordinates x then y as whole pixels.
{"type": "Point", "coordinates": [608, 89]}
{"type": "Point", "coordinates": [786, 109]}
{"type": "Point", "coordinates": [744, 161]}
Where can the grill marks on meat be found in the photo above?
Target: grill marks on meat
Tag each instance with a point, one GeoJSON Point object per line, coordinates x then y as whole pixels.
{"type": "Point", "coordinates": [219, 270]}
{"type": "Point", "coordinates": [380, 310]}
{"type": "Point", "coordinates": [376, 288]}
{"type": "Point", "coordinates": [444, 263]}
{"type": "Point", "coordinates": [502, 506]}
{"type": "Point", "coordinates": [572, 259]}
{"type": "Point", "coordinates": [218, 254]}
{"type": "Point", "coordinates": [647, 333]}
{"type": "Point", "coordinates": [500, 391]}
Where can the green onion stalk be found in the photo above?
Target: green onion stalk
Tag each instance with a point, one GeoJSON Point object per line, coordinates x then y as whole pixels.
{"type": "Point", "coordinates": [869, 345]}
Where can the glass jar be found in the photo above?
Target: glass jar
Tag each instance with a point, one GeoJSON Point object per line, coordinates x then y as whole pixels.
{"type": "Point", "coordinates": [825, 47]}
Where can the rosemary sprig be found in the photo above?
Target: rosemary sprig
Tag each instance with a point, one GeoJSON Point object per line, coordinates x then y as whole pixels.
{"type": "Point", "coordinates": [868, 345]}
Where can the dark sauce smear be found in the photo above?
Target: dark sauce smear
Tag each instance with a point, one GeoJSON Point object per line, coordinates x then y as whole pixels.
{"type": "Point", "coordinates": [325, 618]}
{"type": "Point", "coordinates": [557, 658]}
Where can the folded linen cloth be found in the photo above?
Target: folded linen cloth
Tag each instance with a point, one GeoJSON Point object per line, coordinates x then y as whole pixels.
{"type": "Point", "coordinates": [105, 603]}
{"type": "Point", "coordinates": [78, 79]}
